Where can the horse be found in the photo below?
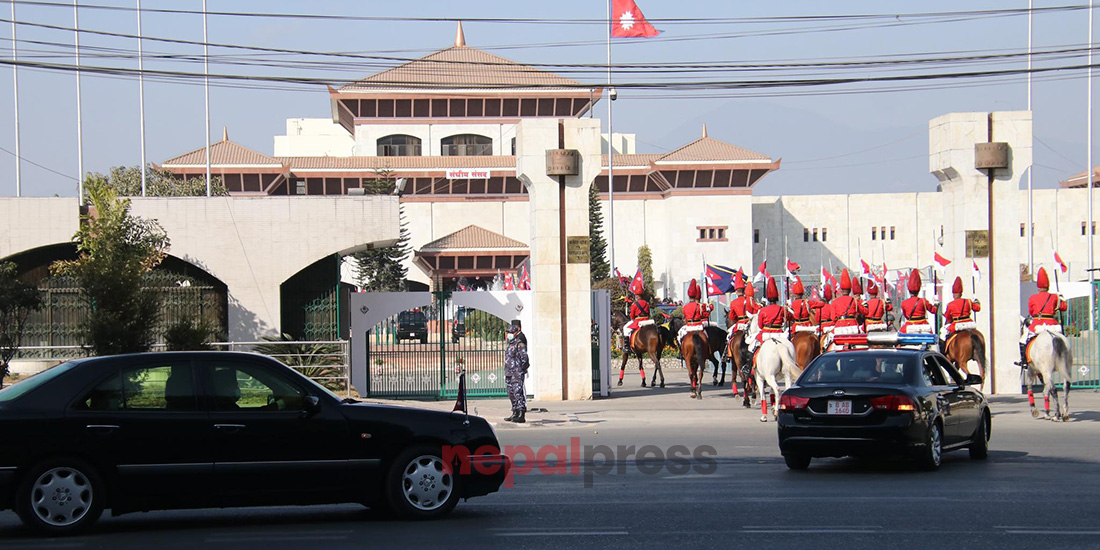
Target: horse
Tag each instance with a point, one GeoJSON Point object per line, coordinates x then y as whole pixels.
{"type": "Point", "coordinates": [647, 340]}
{"type": "Point", "coordinates": [964, 346]}
{"type": "Point", "coordinates": [695, 349]}
{"type": "Point", "coordinates": [774, 357]}
{"type": "Point", "coordinates": [1049, 352]}
{"type": "Point", "coordinates": [807, 346]}
{"type": "Point", "coordinates": [742, 367]}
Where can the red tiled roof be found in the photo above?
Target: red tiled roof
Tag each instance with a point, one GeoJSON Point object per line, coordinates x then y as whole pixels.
{"type": "Point", "coordinates": [461, 67]}
{"type": "Point", "coordinates": [473, 237]}
{"type": "Point", "coordinates": [633, 160]}
{"type": "Point", "coordinates": [223, 153]}
{"type": "Point", "coordinates": [707, 149]}
{"type": "Point", "coordinates": [1078, 179]}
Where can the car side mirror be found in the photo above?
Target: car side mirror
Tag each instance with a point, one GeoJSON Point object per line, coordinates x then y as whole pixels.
{"type": "Point", "coordinates": [973, 380]}
{"type": "Point", "coordinates": [312, 405]}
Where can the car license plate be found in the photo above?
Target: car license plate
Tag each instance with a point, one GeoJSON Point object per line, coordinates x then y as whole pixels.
{"type": "Point", "coordinates": [412, 334]}
{"type": "Point", "coordinates": [840, 407]}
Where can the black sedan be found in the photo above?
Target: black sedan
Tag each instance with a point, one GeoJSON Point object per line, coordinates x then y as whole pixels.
{"type": "Point", "coordinates": [909, 402]}
{"type": "Point", "coordinates": [217, 429]}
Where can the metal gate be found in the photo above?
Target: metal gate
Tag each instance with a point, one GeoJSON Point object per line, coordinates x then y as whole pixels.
{"type": "Point", "coordinates": [413, 345]}
{"type": "Point", "coordinates": [1083, 342]}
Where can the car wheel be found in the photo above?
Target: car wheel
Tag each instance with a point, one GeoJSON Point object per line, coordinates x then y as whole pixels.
{"type": "Point", "coordinates": [979, 445]}
{"type": "Point", "coordinates": [932, 454]}
{"type": "Point", "coordinates": [423, 340]}
{"type": "Point", "coordinates": [419, 486]}
{"type": "Point", "coordinates": [797, 462]}
{"type": "Point", "coordinates": [60, 497]}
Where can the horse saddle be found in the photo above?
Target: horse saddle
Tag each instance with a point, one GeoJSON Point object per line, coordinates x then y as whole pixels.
{"type": "Point", "coordinates": [951, 338]}
{"type": "Point", "coordinates": [1027, 350]}
{"type": "Point", "coordinates": [634, 338]}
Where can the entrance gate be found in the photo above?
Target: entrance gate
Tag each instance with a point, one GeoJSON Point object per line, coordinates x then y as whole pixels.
{"type": "Point", "coordinates": [1083, 342]}
{"type": "Point", "coordinates": [413, 345]}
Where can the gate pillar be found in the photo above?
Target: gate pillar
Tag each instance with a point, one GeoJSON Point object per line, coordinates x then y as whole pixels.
{"type": "Point", "coordinates": [561, 355]}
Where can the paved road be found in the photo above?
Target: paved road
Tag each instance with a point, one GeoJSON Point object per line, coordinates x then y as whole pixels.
{"type": "Point", "coordinates": [1039, 488]}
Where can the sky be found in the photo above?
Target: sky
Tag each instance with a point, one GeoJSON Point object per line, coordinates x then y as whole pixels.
{"type": "Point", "coordinates": [839, 139]}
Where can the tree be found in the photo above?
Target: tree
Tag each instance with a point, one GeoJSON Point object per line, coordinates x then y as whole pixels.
{"type": "Point", "coordinates": [116, 249]}
{"type": "Point", "coordinates": [17, 301]}
{"type": "Point", "coordinates": [383, 269]}
{"type": "Point", "coordinates": [645, 263]}
{"type": "Point", "coordinates": [125, 181]}
{"type": "Point", "coordinates": [597, 246]}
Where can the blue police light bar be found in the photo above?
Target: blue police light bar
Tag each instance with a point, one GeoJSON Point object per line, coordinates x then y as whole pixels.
{"type": "Point", "coordinates": [885, 339]}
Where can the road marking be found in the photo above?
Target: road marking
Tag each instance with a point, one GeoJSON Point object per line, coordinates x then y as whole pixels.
{"type": "Point", "coordinates": [42, 545]}
{"type": "Point", "coordinates": [1048, 532]}
{"type": "Point", "coordinates": [562, 534]}
{"type": "Point", "coordinates": [270, 538]}
{"type": "Point", "coordinates": [810, 531]}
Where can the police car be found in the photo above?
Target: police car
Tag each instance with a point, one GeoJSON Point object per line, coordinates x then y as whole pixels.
{"type": "Point", "coordinates": [883, 394]}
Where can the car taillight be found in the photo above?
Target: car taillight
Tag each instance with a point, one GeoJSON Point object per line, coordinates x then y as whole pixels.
{"type": "Point", "coordinates": [897, 403]}
{"type": "Point", "coordinates": [792, 402]}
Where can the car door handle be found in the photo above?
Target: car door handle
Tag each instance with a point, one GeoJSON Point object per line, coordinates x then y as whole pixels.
{"type": "Point", "coordinates": [230, 428]}
{"type": "Point", "coordinates": [102, 428]}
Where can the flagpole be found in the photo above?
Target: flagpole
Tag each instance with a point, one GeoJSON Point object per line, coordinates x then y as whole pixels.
{"type": "Point", "coordinates": [1030, 209]}
{"type": "Point", "coordinates": [206, 92]}
{"type": "Point", "coordinates": [15, 95]}
{"type": "Point", "coordinates": [141, 96]}
{"type": "Point", "coordinates": [610, 146]}
{"type": "Point", "coordinates": [79, 108]}
{"type": "Point", "coordinates": [1088, 180]}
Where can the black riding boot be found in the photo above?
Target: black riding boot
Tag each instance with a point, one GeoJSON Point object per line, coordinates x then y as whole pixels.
{"type": "Point", "coordinates": [1023, 356]}
{"type": "Point", "coordinates": [520, 417]}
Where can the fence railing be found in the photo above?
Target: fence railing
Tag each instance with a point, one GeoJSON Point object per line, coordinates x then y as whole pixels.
{"type": "Point", "coordinates": [325, 362]}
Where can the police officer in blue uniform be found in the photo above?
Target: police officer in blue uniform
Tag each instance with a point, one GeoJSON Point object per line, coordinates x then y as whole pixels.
{"type": "Point", "coordinates": [516, 365]}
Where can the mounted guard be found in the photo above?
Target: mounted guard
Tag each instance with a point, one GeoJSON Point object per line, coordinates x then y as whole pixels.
{"type": "Point", "coordinates": [847, 311]}
{"type": "Point", "coordinates": [694, 345]}
{"type": "Point", "coordinates": [877, 308]}
{"type": "Point", "coordinates": [801, 310]}
{"type": "Point", "coordinates": [741, 308]}
{"type": "Point", "coordinates": [916, 309]}
{"type": "Point", "coordinates": [958, 315]}
{"type": "Point", "coordinates": [1043, 308]}
{"type": "Point", "coordinates": [771, 322]}
{"type": "Point", "coordinates": [695, 313]}
{"type": "Point", "coordinates": [639, 314]}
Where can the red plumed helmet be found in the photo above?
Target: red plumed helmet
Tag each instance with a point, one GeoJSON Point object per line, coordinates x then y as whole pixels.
{"type": "Point", "coordinates": [796, 286]}
{"type": "Point", "coordinates": [914, 281]}
{"type": "Point", "coordinates": [857, 288]}
{"type": "Point", "coordinates": [957, 286]}
{"type": "Point", "coordinates": [1043, 280]}
{"type": "Point", "coordinates": [872, 289]}
{"type": "Point", "coordinates": [693, 290]}
{"type": "Point", "coordinates": [828, 292]}
{"type": "Point", "coordinates": [845, 280]}
{"type": "Point", "coordinates": [750, 291]}
{"type": "Point", "coordinates": [739, 281]}
{"type": "Point", "coordinates": [772, 292]}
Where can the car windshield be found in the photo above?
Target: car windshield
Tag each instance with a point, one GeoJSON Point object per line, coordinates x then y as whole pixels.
{"type": "Point", "coordinates": [13, 392]}
{"type": "Point", "coordinates": [412, 317]}
{"type": "Point", "coordinates": [870, 368]}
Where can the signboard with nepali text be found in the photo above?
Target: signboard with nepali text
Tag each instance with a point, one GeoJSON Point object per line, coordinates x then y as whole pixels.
{"type": "Point", "coordinates": [468, 174]}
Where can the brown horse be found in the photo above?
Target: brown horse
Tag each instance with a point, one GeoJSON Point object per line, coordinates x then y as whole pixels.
{"type": "Point", "coordinates": [695, 349]}
{"type": "Point", "coordinates": [807, 346]}
{"type": "Point", "coordinates": [742, 368]}
{"type": "Point", "coordinates": [964, 346]}
{"type": "Point", "coordinates": [647, 340]}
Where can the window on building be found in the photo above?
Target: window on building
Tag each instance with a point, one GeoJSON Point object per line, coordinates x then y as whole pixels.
{"type": "Point", "coordinates": [399, 145]}
{"type": "Point", "coordinates": [824, 234]}
{"type": "Point", "coordinates": [893, 231]}
{"type": "Point", "coordinates": [756, 236]}
{"type": "Point", "coordinates": [815, 234]}
{"type": "Point", "coordinates": [1083, 230]}
{"type": "Point", "coordinates": [466, 145]}
{"type": "Point", "coordinates": [716, 234]}
{"type": "Point", "coordinates": [806, 235]}
{"type": "Point", "coordinates": [882, 232]}
{"type": "Point", "coordinates": [874, 233]}
{"type": "Point", "coordinates": [1093, 228]}
{"type": "Point", "coordinates": [513, 147]}
{"type": "Point", "coordinates": [1023, 228]}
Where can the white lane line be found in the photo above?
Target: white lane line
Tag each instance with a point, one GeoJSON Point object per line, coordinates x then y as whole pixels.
{"type": "Point", "coordinates": [269, 538]}
{"type": "Point", "coordinates": [42, 545]}
{"type": "Point", "coordinates": [1049, 532]}
{"type": "Point", "coordinates": [561, 534]}
{"type": "Point", "coordinates": [811, 531]}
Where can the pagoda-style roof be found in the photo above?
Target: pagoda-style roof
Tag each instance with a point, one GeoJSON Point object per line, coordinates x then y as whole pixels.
{"type": "Point", "coordinates": [471, 238]}
{"type": "Point", "coordinates": [225, 154]}
{"type": "Point", "coordinates": [708, 149]}
{"type": "Point", "coordinates": [1078, 179]}
{"type": "Point", "coordinates": [461, 67]}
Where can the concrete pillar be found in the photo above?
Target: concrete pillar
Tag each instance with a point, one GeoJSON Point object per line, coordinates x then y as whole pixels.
{"type": "Point", "coordinates": [966, 208]}
{"type": "Point", "coordinates": [533, 138]}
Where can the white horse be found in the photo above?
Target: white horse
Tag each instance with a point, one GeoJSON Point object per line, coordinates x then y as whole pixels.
{"type": "Point", "coordinates": [1049, 353]}
{"type": "Point", "coordinates": [772, 358]}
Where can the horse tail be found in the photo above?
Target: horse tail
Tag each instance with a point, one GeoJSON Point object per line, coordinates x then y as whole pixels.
{"type": "Point", "coordinates": [978, 348]}
{"type": "Point", "coordinates": [786, 357]}
{"type": "Point", "coordinates": [697, 345]}
{"type": "Point", "coordinates": [1063, 357]}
